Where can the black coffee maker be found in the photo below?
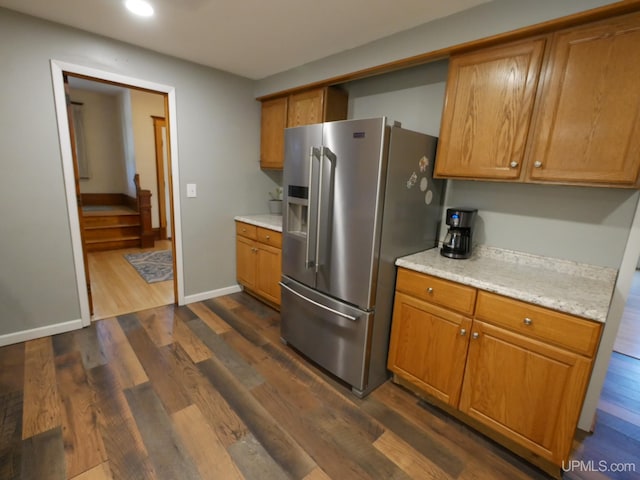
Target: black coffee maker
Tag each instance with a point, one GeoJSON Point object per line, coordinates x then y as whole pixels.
{"type": "Point", "coordinates": [457, 242]}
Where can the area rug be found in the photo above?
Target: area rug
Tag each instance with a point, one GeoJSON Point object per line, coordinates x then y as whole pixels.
{"type": "Point", "coordinates": [156, 266]}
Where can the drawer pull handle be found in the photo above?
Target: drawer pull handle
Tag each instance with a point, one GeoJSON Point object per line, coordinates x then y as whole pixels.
{"type": "Point", "coordinates": [527, 321]}
{"type": "Point", "coordinates": [475, 335]}
{"type": "Point", "coordinates": [429, 290]}
{"type": "Point", "coordinates": [463, 332]}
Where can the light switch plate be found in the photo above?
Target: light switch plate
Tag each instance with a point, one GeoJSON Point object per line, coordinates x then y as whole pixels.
{"type": "Point", "coordinates": [191, 190]}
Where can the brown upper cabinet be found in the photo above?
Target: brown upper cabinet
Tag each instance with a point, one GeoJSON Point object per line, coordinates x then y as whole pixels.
{"type": "Point", "coordinates": [569, 114]}
{"type": "Point", "coordinates": [489, 99]}
{"type": "Point", "coordinates": [272, 125]}
{"type": "Point", "coordinates": [317, 105]}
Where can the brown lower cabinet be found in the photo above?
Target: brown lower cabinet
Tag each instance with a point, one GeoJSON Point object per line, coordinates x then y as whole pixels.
{"type": "Point", "coordinates": [516, 371]}
{"type": "Point", "coordinates": [259, 261]}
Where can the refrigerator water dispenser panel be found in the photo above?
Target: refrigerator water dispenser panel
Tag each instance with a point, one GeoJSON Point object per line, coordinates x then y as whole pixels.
{"type": "Point", "coordinates": [297, 210]}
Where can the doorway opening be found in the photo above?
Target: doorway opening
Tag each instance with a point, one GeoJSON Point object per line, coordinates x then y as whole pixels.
{"type": "Point", "coordinates": [116, 176]}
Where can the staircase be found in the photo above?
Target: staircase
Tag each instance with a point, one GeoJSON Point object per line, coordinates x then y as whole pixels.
{"type": "Point", "coordinates": [111, 230]}
{"type": "Point", "coordinates": [111, 221]}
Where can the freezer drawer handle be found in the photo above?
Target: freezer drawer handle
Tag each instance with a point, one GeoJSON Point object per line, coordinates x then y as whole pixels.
{"type": "Point", "coordinates": [343, 315]}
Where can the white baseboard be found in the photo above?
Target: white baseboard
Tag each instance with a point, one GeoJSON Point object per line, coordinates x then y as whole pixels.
{"type": "Point", "coordinates": [24, 335]}
{"type": "Point", "coordinates": [199, 297]}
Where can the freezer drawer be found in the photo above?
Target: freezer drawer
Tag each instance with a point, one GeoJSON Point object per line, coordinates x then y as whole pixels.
{"type": "Point", "coordinates": [331, 333]}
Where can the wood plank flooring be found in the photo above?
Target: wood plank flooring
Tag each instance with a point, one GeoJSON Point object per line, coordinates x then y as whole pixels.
{"type": "Point", "coordinates": [117, 287]}
{"type": "Point", "coordinates": [208, 391]}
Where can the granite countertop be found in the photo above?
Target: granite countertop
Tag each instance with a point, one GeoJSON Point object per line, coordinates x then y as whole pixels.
{"type": "Point", "coordinates": [570, 287]}
{"type": "Point", "coordinates": [272, 222]}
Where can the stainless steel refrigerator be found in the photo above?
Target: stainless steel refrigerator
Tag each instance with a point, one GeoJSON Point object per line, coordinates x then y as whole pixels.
{"type": "Point", "coordinates": [358, 194]}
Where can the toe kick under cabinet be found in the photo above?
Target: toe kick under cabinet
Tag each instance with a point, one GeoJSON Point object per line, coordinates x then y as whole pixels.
{"type": "Point", "coordinates": [515, 371]}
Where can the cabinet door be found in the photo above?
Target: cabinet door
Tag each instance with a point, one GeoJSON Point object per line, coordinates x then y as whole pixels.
{"type": "Point", "coordinates": [487, 112]}
{"type": "Point", "coordinates": [429, 347]}
{"type": "Point", "coordinates": [588, 124]}
{"type": "Point", "coordinates": [273, 123]}
{"type": "Point", "coordinates": [306, 108]}
{"type": "Point", "coordinates": [246, 262]}
{"type": "Point", "coordinates": [269, 271]}
{"type": "Point", "coordinates": [524, 389]}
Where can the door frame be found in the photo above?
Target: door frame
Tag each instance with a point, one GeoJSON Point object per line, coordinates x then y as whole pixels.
{"type": "Point", "coordinates": [57, 69]}
{"type": "Point", "coordinates": [158, 124]}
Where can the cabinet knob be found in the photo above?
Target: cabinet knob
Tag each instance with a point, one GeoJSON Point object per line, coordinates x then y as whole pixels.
{"type": "Point", "coordinates": [527, 321]}
{"type": "Point", "coordinates": [430, 290]}
{"type": "Point", "coordinates": [537, 164]}
{"type": "Point", "coordinates": [268, 237]}
{"type": "Point", "coordinates": [513, 164]}
{"type": "Point", "coordinates": [463, 332]}
{"type": "Point", "coordinates": [244, 230]}
{"type": "Point", "coordinates": [475, 335]}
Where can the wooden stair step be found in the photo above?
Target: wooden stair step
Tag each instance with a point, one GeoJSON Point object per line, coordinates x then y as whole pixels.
{"type": "Point", "coordinates": [111, 239]}
{"type": "Point", "coordinates": [105, 220]}
{"type": "Point", "coordinates": [111, 232]}
{"type": "Point", "coordinates": [112, 244]}
{"type": "Point", "coordinates": [114, 226]}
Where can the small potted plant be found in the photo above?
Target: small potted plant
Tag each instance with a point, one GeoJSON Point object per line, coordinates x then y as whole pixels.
{"type": "Point", "coordinates": [275, 202]}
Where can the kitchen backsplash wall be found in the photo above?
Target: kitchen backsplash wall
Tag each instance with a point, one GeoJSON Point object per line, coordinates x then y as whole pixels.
{"type": "Point", "coordinates": [583, 224]}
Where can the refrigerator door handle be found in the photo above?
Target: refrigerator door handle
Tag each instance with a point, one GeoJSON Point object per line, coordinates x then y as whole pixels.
{"type": "Point", "coordinates": [319, 211]}
{"type": "Point", "coordinates": [313, 152]}
{"type": "Point", "coordinates": [317, 304]}
{"type": "Point", "coordinates": [326, 151]}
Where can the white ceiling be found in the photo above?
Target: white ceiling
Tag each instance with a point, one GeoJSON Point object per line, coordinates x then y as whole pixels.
{"type": "Point", "coordinates": [252, 38]}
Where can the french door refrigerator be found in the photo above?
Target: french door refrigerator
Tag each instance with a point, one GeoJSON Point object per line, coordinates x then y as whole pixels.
{"type": "Point", "coordinates": [358, 194]}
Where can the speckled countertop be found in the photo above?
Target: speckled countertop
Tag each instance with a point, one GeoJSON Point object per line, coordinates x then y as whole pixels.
{"type": "Point", "coordinates": [570, 287]}
{"type": "Point", "coordinates": [272, 222]}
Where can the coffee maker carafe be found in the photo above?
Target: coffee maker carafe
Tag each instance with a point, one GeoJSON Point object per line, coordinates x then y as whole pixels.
{"type": "Point", "coordinates": [457, 242]}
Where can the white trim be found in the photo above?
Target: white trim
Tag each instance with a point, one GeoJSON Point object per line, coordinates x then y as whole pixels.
{"type": "Point", "coordinates": [57, 69]}
{"type": "Point", "coordinates": [25, 335]}
{"type": "Point", "coordinates": [199, 297]}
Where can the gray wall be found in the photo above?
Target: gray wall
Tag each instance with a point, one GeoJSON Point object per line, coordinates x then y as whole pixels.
{"type": "Point", "coordinates": [104, 146]}
{"type": "Point", "coordinates": [218, 126]}
{"type": "Point", "coordinates": [583, 224]}
{"type": "Point", "coordinates": [497, 16]}
{"type": "Point", "coordinates": [414, 97]}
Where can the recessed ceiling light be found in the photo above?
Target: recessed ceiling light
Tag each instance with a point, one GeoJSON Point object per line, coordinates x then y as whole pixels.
{"type": "Point", "coordinates": [139, 7]}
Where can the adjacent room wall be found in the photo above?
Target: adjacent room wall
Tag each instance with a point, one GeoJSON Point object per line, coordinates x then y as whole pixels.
{"type": "Point", "coordinates": [103, 142]}
{"type": "Point", "coordinates": [218, 125]}
{"type": "Point", "coordinates": [144, 105]}
{"type": "Point", "coordinates": [126, 125]}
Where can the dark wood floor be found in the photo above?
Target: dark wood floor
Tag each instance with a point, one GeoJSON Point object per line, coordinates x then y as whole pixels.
{"type": "Point", "coordinates": [208, 391]}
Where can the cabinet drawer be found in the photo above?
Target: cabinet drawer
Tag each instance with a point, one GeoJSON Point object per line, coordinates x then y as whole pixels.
{"type": "Point", "coordinates": [437, 290]}
{"type": "Point", "coordinates": [270, 237]}
{"type": "Point", "coordinates": [576, 334]}
{"type": "Point", "coordinates": [246, 230]}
